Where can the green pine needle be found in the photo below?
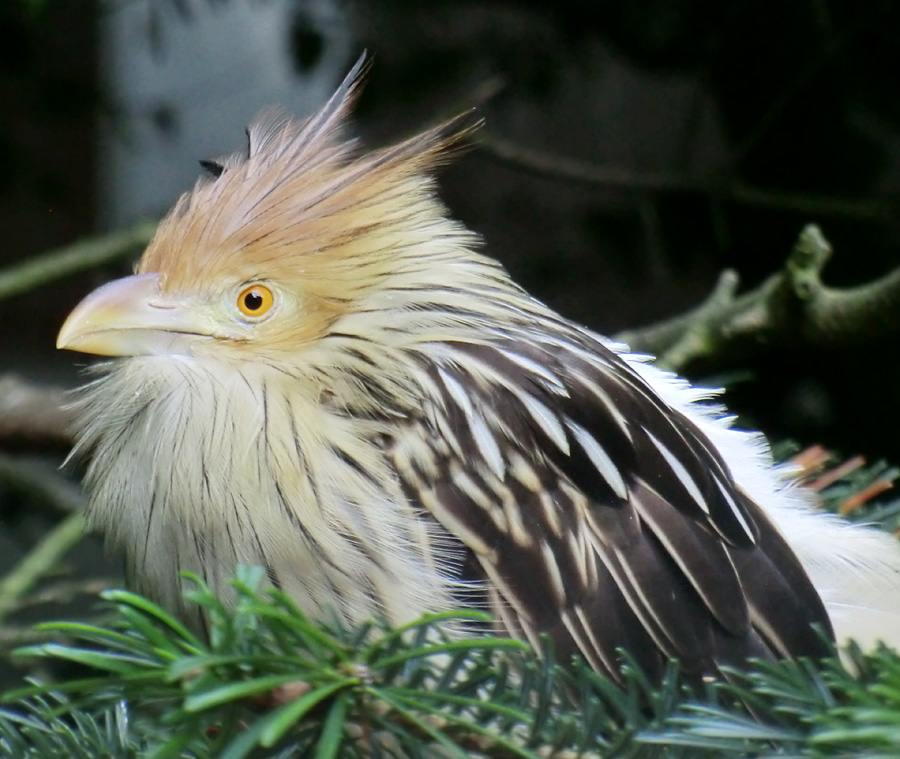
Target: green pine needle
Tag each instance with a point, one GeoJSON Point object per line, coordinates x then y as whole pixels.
{"type": "Point", "coordinates": [269, 683]}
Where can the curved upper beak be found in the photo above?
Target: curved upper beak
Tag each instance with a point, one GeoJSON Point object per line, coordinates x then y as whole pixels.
{"type": "Point", "coordinates": [130, 317]}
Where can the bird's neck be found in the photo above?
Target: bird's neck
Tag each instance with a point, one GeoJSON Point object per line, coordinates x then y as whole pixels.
{"type": "Point", "coordinates": [188, 454]}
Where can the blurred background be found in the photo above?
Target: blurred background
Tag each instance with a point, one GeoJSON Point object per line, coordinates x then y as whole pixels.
{"type": "Point", "coordinates": [632, 150]}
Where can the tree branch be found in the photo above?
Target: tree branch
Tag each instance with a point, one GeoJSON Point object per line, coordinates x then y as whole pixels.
{"type": "Point", "coordinates": [573, 170]}
{"type": "Point", "coordinates": [790, 309]}
{"type": "Point", "coordinates": [32, 415]}
{"type": "Point", "coordinates": [85, 254]}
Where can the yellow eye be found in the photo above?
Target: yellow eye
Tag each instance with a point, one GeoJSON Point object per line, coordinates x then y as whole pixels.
{"type": "Point", "coordinates": [255, 300]}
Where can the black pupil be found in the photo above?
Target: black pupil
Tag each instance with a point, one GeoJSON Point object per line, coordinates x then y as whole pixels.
{"type": "Point", "coordinates": [253, 301]}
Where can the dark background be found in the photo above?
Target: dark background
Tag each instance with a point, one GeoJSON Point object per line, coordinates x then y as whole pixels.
{"type": "Point", "coordinates": [684, 99]}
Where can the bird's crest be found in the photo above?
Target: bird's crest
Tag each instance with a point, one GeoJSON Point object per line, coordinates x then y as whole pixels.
{"type": "Point", "coordinates": [302, 201]}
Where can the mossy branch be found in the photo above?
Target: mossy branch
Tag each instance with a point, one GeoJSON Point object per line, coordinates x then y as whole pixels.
{"type": "Point", "coordinates": [792, 308]}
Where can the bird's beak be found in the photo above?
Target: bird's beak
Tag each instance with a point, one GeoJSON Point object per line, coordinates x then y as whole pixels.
{"type": "Point", "coordinates": [129, 317]}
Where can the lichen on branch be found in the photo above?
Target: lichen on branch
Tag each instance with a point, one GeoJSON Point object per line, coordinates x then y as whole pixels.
{"type": "Point", "coordinates": [792, 308]}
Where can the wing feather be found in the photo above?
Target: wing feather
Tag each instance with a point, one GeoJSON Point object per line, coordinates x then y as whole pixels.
{"type": "Point", "coordinates": [631, 534]}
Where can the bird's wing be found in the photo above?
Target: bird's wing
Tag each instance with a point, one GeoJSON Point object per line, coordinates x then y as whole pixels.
{"type": "Point", "coordinates": [596, 513]}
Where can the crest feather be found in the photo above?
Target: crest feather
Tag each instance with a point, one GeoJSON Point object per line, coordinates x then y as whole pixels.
{"type": "Point", "coordinates": [304, 191]}
{"type": "Point", "coordinates": [265, 136]}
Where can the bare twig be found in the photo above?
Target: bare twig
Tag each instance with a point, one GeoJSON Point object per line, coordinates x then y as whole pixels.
{"type": "Point", "coordinates": [66, 591]}
{"type": "Point", "coordinates": [16, 636]}
{"type": "Point", "coordinates": [791, 308]}
{"type": "Point", "coordinates": [865, 495]}
{"type": "Point", "coordinates": [13, 636]}
{"type": "Point", "coordinates": [573, 170]}
{"type": "Point", "coordinates": [40, 560]}
{"type": "Point", "coordinates": [42, 482]}
{"type": "Point", "coordinates": [32, 415]}
{"type": "Point", "coordinates": [786, 95]}
{"type": "Point", "coordinates": [833, 475]}
{"type": "Point", "coordinates": [82, 255]}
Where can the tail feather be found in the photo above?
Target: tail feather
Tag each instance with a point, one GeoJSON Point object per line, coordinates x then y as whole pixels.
{"type": "Point", "coordinates": [855, 568]}
{"type": "Point", "coordinates": [857, 572]}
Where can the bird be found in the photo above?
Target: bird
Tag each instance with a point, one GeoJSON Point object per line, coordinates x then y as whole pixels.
{"type": "Point", "coordinates": [315, 369]}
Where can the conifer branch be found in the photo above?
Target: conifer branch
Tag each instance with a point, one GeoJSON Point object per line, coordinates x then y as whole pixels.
{"type": "Point", "coordinates": [271, 684]}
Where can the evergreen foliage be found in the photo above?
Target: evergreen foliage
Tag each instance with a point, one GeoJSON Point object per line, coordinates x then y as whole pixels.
{"type": "Point", "coordinates": [271, 684]}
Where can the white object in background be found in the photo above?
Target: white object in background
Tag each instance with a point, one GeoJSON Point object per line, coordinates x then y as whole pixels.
{"type": "Point", "coordinates": [184, 78]}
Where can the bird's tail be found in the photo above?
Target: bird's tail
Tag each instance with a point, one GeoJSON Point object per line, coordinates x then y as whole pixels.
{"type": "Point", "coordinates": [856, 570]}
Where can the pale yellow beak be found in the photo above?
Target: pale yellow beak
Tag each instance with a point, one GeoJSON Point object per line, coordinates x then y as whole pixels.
{"type": "Point", "coordinates": [130, 317]}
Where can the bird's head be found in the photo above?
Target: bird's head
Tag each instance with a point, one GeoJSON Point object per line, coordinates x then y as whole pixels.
{"type": "Point", "coordinates": [268, 253]}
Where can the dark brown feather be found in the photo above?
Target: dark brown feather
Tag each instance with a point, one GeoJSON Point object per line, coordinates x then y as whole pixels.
{"type": "Point", "coordinates": [680, 565]}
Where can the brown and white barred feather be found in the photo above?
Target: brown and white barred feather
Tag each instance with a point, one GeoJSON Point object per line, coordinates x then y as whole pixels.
{"type": "Point", "coordinates": [409, 412]}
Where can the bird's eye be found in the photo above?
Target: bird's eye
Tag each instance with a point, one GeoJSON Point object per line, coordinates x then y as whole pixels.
{"type": "Point", "coordinates": [255, 300]}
